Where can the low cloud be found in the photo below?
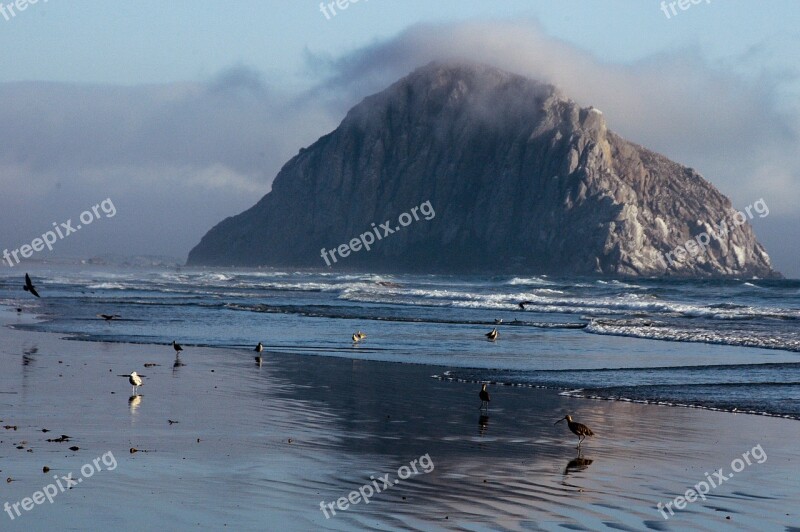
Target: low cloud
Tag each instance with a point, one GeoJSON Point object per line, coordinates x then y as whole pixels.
{"type": "Point", "coordinates": [184, 156]}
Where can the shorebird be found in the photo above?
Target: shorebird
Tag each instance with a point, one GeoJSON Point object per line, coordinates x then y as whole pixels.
{"type": "Point", "coordinates": [523, 303]}
{"type": "Point", "coordinates": [135, 381]}
{"type": "Point", "coordinates": [578, 429]}
{"type": "Point", "coordinates": [108, 317]}
{"type": "Point", "coordinates": [360, 335]}
{"type": "Point", "coordinates": [493, 334]}
{"type": "Point", "coordinates": [484, 395]}
{"type": "Point", "coordinates": [258, 350]}
{"type": "Point", "coordinates": [28, 286]}
{"type": "Point", "coordinates": [177, 347]}
{"type": "Point", "coordinates": [498, 321]}
{"type": "Point", "coordinates": [356, 338]}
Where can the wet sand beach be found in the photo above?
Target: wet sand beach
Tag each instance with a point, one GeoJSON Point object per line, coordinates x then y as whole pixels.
{"type": "Point", "coordinates": [258, 448]}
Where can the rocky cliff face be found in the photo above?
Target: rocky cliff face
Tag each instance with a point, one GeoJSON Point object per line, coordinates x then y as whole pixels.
{"type": "Point", "coordinates": [521, 179]}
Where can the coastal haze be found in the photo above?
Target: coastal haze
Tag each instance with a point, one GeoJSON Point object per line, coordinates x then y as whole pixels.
{"type": "Point", "coordinates": [260, 259]}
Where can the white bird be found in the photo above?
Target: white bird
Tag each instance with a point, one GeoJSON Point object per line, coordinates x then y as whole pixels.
{"type": "Point", "coordinates": [135, 381]}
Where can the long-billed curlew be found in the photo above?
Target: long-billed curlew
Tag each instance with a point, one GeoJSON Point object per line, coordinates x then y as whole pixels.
{"type": "Point", "coordinates": [484, 395]}
{"type": "Point", "coordinates": [177, 347]}
{"type": "Point", "coordinates": [578, 429]}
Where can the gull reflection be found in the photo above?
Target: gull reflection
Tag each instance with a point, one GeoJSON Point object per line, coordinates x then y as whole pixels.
{"type": "Point", "coordinates": [133, 402]}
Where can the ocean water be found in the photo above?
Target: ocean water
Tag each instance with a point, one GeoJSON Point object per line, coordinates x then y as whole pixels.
{"type": "Point", "coordinates": [729, 345]}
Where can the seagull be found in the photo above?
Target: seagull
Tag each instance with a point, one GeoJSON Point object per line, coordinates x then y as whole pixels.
{"type": "Point", "coordinates": [498, 321]}
{"type": "Point", "coordinates": [493, 334]}
{"type": "Point", "coordinates": [29, 286]}
{"type": "Point", "coordinates": [578, 429]}
{"type": "Point", "coordinates": [484, 395]}
{"type": "Point", "coordinates": [108, 317]}
{"type": "Point", "coordinates": [135, 381]}
{"type": "Point", "coordinates": [177, 347]}
{"type": "Point", "coordinates": [523, 303]}
{"type": "Point", "coordinates": [258, 350]}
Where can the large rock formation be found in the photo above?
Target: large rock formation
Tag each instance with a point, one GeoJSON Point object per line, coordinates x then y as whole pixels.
{"type": "Point", "coordinates": [521, 179]}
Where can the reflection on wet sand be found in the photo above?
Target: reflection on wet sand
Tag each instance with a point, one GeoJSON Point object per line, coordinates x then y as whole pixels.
{"type": "Point", "coordinates": [579, 463]}
{"type": "Point", "coordinates": [483, 424]}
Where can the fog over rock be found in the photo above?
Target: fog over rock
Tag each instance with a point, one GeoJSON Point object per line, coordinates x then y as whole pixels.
{"type": "Point", "coordinates": [521, 179]}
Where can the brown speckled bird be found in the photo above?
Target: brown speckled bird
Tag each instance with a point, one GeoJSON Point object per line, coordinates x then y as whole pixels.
{"type": "Point", "coordinates": [578, 429]}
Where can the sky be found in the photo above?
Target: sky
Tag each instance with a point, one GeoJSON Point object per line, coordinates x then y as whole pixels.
{"type": "Point", "coordinates": [182, 112]}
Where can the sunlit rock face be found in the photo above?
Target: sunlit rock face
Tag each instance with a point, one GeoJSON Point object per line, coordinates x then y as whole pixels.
{"type": "Point", "coordinates": [521, 179]}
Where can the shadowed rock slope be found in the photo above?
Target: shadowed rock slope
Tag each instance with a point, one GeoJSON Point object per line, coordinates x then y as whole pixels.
{"type": "Point", "coordinates": [521, 179]}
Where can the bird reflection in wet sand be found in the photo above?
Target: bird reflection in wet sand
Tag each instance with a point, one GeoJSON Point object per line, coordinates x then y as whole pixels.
{"type": "Point", "coordinates": [579, 463]}
{"type": "Point", "coordinates": [133, 402]}
{"type": "Point", "coordinates": [483, 424]}
{"type": "Point", "coordinates": [27, 355]}
{"type": "Point", "coordinates": [177, 364]}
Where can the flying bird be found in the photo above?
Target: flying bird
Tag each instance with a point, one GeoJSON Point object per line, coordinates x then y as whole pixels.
{"type": "Point", "coordinates": [108, 317]}
{"type": "Point", "coordinates": [177, 347]}
{"type": "Point", "coordinates": [493, 334]}
{"type": "Point", "coordinates": [578, 429]}
{"type": "Point", "coordinates": [484, 395]}
{"type": "Point", "coordinates": [28, 287]}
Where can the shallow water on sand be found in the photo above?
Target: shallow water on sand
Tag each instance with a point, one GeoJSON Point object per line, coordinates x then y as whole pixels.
{"type": "Point", "coordinates": [276, 441]}
{"type": "Point", "coordinates": [729, 345]}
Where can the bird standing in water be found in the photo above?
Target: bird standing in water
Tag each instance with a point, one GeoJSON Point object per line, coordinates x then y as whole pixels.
{"type": "Point", "coordinates": [258, 350]}
{"type": "Point", "coordinates": [578, 429]}
{"type": "Point", "coordinates": [493, 334]}
{"type": "Point", "coordinates": [135, 381]}
{"type": "Point", "coordinates": [177, 347]}
{"type": "Point", "coordinates": [484, 395]}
